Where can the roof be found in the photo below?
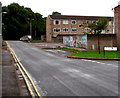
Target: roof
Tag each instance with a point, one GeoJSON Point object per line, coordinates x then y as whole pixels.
{"type": "Point", "coordinates": [117, 7]}
{"type": "Point", "coordinates": [79, 17]}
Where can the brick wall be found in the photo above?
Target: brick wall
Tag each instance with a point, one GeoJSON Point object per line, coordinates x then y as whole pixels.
{"type": "Point", "coordinates": [80, 20]}
{"type": "Point", "coordinates": [48, 29]}
{"type": "Point", "coordinates": [105, 40]}
{"type": "Point", "coordinates": [108, 39]}
{"type": "Point", "coordinates": [117, 24]}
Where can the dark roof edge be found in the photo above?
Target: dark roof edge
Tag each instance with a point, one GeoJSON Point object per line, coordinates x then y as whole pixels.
{"type": "Point", "coordinates": [117, 6]}
{"type": "Point", "coordinates": [79, 16]}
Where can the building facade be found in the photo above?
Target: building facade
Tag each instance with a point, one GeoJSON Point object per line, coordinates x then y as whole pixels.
{"type": "Point", "coordinates": [71, 31]}
{"type": "Point", "coordinates": [117, 24]}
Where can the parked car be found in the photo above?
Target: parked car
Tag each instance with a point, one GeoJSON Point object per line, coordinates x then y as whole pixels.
{"type": "Point", "coordinates": [26, 38]}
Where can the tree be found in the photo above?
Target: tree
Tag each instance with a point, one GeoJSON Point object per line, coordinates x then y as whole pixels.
{"type": "Point", "coordinates": [97, 27]}
{"type": "Point", "coordinates": [16, 22]}
{"type": "Point", "coordinates": [56, 13]}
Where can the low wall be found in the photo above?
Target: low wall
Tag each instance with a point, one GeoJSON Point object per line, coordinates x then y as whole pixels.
{"type": "Point", "coordinates": [105, 40]}
{"type": "Point", "coordinates": [58, 39]}
{"type": "Point", "coordinates": [92, 41]}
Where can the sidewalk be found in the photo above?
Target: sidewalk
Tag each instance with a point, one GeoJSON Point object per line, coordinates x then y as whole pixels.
{"type": "Point", "coordinates": [0, 66]}
{"type": "Point", "coordinates": [9, 82]}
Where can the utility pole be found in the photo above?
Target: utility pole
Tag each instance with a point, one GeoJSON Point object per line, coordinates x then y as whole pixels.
{"type": "Point", "coordinates": [30, 21]}
{"type": "Point", "coordinates": [31, 29]}
{"type": "Point", "coordinates": [0, 49]}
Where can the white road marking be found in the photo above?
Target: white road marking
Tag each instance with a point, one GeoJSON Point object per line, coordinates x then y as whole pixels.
{"type": "Point", "coordinates": [99, 62]}
{"type": "Point", "coordinates": [63, 83]}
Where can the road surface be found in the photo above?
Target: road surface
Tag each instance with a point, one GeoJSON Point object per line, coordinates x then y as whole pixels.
{"type": "Point", "coordinates": [60, 76]}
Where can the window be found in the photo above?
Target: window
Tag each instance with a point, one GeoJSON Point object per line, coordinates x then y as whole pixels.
{"type": "Point", "coordinates": [65, 21]}
{"type": "Point", "coordinates": [65, 29]}
{"type": "Point", "coordinates": [95, 22]}
{"type": "Point", "coordinates": [80, 25]}
{"type": "Point", "coordinates": [73, 21]}
{"type": "Point", "coordinates": [56, 21]}
{"type": "Point", "coordinates": [74, 29]}
{"type": "Point", "coordinates": [87, 21]}
{"type": "Point", "coordinates": [87, 30]}
{"type": "Point", "coordinates": [110, 23]}
{"type": "Point", "coordinates": [111, 30]}
{"type": "Point", "coordinates": [103, 31]}
{"type": "Point", "coordinates": [56, 30]}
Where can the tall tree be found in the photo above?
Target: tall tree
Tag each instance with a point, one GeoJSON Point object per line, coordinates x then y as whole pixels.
{"type": "Point", "coordinates": [97, 27]}
{"type": "Point", "coordinates": [56, 13]}
{"type": "Point", "coordinates": [17, 19]}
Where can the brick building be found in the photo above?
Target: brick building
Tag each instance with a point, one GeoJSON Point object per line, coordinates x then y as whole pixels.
{"type": "Point", "coordinates": [71, 31]}
{"type": "Point", "coordinates": [117, 24]}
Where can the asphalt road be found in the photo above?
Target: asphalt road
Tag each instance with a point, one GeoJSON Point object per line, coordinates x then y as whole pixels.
{"type": "Point", "coordinates": [60, 76]}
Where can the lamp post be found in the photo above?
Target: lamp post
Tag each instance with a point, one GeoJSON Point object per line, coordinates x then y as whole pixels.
{"type": "Point", "coordinates": [3, 24]}
{"type": "Point", "coordinates": [0, 49]}
{"type": "Point", "coordinates": [0, 21]}
{"type": "Point", "coordinates": [31, 30]}
{"type": "Point", "coordinates": [30, 27]}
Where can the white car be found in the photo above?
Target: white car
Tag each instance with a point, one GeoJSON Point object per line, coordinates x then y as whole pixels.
{"type": "Point", "coordinates": [26, 38]}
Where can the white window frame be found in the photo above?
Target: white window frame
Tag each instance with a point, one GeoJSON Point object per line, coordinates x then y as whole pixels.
{"type": "Point", "coordinates": [54, 29]}
{"type": "Point", "coordinates": [64, 30]}
{"type": "Point", "coordinates": [87, 21]}
{"type": "Point", "coordinates": [74, 28]}
{"type": "Point", "coordinates": [73, 23]}
{"type": "Point", "coordinates": [95, 21]}
{"type": "Point", "coordinates": [111, 30]}
{"type": "Point", "coordinates": [87, 30]}
{"type": "Point", "coordinates": [54, 22]}
{"type": "Point", "coordinates": [111, 23]}
{"type": "Point", "coordinates": [81, 25]}
{"type": "Point", "coordinates": [65, 22]}
{"type": "Point", "coordinates": [103, 31]}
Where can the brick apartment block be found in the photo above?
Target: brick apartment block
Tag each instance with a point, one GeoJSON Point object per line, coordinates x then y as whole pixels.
{"type": "Point", "coordinates": [60, 26]}
{"type": "Point", "coordinates": [117, 24]}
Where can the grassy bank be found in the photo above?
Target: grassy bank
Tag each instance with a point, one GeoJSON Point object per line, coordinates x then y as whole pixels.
{"type": "Point", "coordinates": [37, 41]}
{"type": "Point", "coordinates": [90, 54]}
{"type": "Point", "coordinates": [64, 48]}
{"type": "Point", "coordinates": [95, 54]}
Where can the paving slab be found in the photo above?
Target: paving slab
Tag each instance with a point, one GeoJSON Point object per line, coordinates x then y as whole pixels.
{"type": "Point", "coordinates": [0, 66]}
{"type": "Point", "coordinates": [9, 81]}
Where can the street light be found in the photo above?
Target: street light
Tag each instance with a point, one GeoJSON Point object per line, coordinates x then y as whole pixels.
{"type": "Point", "coordinates": [0, 19]}
{"type": "Point", "coordinates": [30, 27]}
{"type": "Point", "coordinates": [3, 24]}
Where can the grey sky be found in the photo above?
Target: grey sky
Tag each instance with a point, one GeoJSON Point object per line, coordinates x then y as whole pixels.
{"type": "Point", "coordinates": [69, 7]}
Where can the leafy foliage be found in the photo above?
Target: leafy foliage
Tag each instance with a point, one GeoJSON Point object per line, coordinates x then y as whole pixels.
{"type": "Point", "coordinates": [16, 22]}
{"type": "Point", "coordinates": [97, 27]}
{"type": "Point", "coordinates": [56, 13]}
{"type": "Point", "coordinates": [95, 54]}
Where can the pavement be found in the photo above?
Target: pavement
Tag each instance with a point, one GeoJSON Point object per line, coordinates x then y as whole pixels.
{"type": "Point", "coordinates": [0, 66]}
{"type": "Point", "coordinates": [60, 76]}
{"type": "Point", "coordinates": [9, 82]}
{"type": "Point", "coordinates": [42, 45]}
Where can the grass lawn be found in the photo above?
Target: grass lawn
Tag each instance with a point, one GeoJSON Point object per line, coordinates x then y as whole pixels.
{"type": "Point", "coordinates": [95, 54]}
{"type": "Point", "coordinates": [36, 41]}
{"type": "Point", "coordinates": [63, 48]}
{"type": "Point", "coordinates": [90, 54]}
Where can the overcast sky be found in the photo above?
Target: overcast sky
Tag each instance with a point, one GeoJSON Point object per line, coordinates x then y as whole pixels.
{"type": "Point", "coordinates": [68, 7]}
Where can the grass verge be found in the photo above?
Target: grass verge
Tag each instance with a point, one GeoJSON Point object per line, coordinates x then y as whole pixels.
{"type": "Point", "coordinates": [90, 54]}
{"type": "Point", "coordinates": [95, 54]}
{"type": "Point", "coordinates": [37, 41]}
{"type": "Point", "coordinates": [64, 48]}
